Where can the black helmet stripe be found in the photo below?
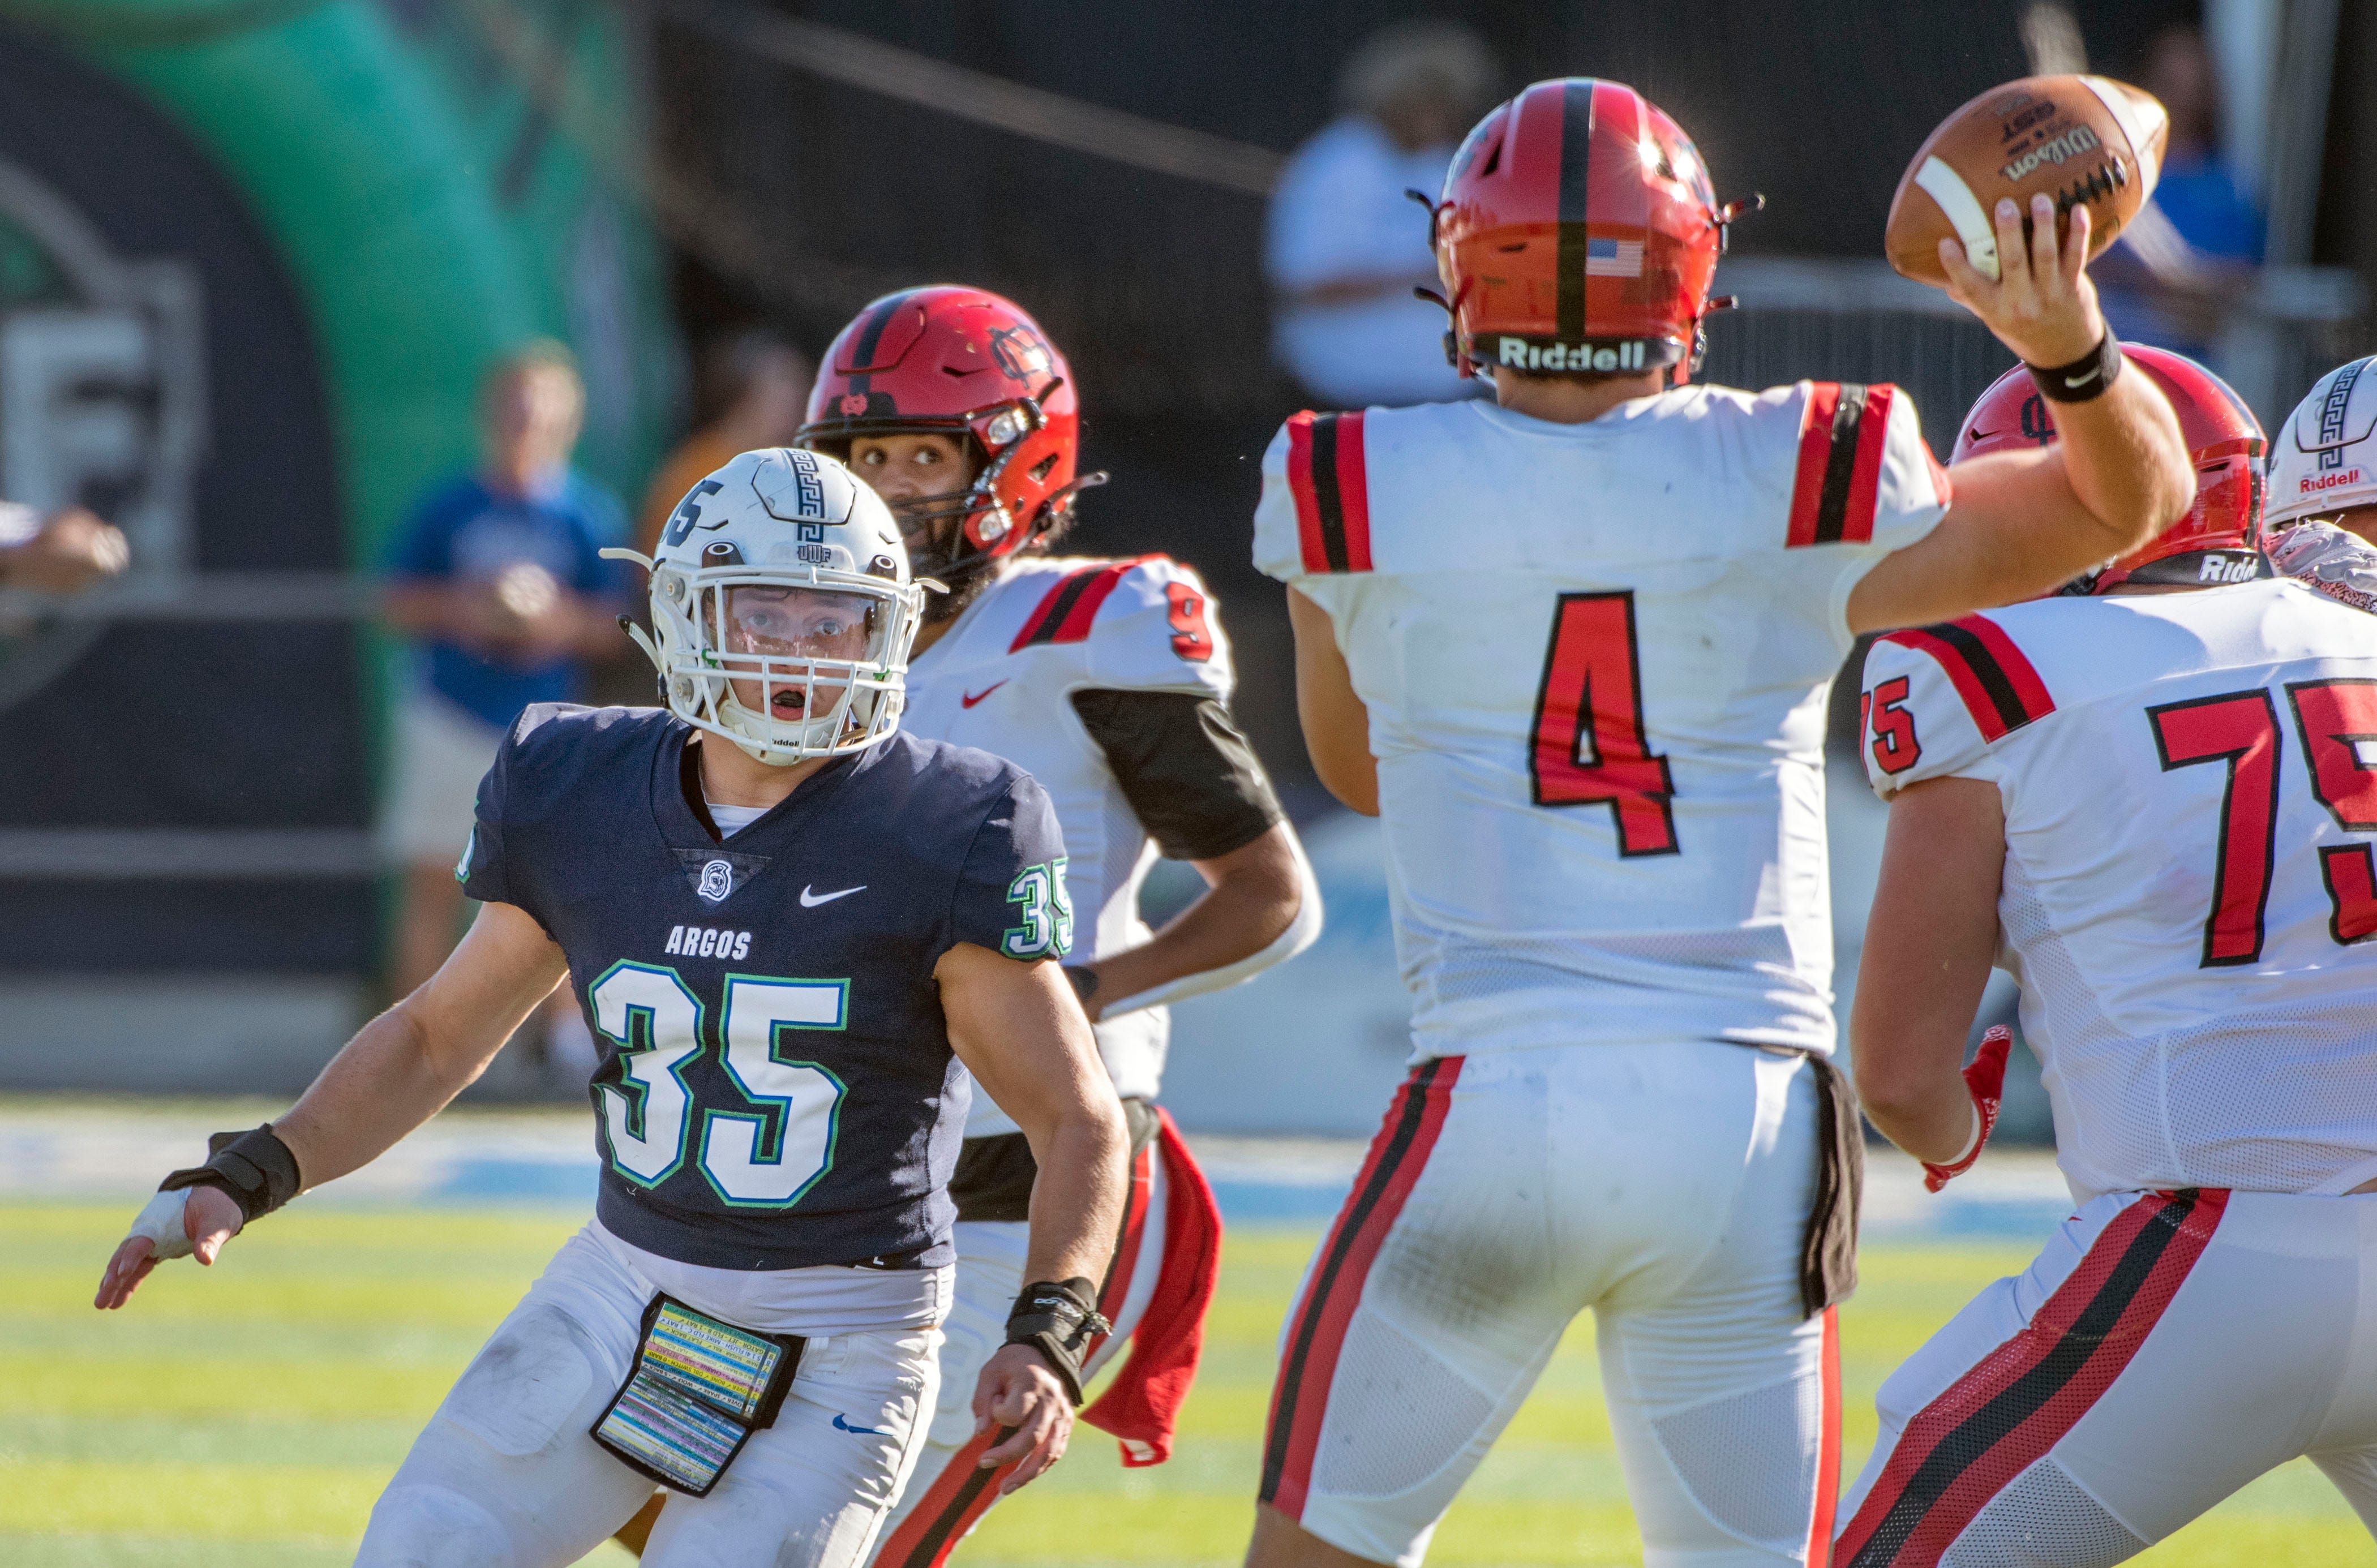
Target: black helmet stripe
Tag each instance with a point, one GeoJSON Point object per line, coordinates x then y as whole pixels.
{"type": "Point", "coordinates": [862, 351]}
{"type": "Point", "coordinates": [1575, 161]}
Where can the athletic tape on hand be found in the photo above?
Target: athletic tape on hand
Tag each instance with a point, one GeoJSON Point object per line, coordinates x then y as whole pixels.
{"type": "Point", "coordinates": [162, 1223]}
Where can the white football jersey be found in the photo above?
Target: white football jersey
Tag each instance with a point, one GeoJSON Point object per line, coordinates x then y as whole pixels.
{"type": "Point", "coordinates": [1595, 657]}
{"type": "Point", "coordinates": [2190, 902]}
{"type": "Point", "coordinates": [1002, 679]}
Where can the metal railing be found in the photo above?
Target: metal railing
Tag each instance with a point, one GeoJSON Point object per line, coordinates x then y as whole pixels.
{"type": "Point", "coordinates": [1855, 320]}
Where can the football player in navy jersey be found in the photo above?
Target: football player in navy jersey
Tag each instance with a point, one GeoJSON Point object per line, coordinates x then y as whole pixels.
{"type": "Point", "coordinates": [789, 925]}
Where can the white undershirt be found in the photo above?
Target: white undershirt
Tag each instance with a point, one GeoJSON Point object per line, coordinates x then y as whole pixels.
{"type": "Point", "coordinates": [732, 820]}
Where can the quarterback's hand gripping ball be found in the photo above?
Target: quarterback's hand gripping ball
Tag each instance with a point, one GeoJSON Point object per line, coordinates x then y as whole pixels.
{"type": "Point", "coordinates": [2086, 143]}
{"type": "Point", "coordinates": [1985, 1081]}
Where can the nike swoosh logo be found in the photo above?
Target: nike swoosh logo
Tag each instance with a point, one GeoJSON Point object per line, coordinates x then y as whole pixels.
{"type": "Point", "coordinates": [969, 698]}
{"type": "Point", "coordinates": [811, 900]}
{"type": "Point", "coordinates": [840, 1425]}
{"type": "Point", "coordinates": [2083, 380]}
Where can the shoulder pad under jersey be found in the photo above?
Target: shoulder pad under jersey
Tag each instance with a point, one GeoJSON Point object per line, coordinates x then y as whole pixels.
{"type": "Point", "coordinates": [1936, 698]}
{"type": "Point", "coordinates": [1145, 623]}
{"type": "Point", "coordinates": [554, 748]}
{"type": "Point", "coordinates": [1861, 472]}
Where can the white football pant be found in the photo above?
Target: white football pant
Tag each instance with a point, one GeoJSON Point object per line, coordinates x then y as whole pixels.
{"type": "Point", "coordinates": [505, 1475]}
{"type": "Point", "coordinates": [1666, 1186]}
{"type": "Point", "coordinates": [2163, 1350]}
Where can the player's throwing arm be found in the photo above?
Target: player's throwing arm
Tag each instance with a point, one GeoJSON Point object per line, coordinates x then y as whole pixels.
{"type": "Point", "coordinates": [2022, 522]}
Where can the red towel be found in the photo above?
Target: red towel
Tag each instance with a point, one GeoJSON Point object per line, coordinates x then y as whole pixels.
{"type": "Point", "coordinates": [1140, 1405]}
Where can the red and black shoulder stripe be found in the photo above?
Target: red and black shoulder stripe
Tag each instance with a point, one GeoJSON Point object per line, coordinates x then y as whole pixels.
{"type": "Point", "coordinates": [1069, 607]}
{"type": "Point", "coordinates": [1326, 471]}
{"type": "Point", "coordinates": [1842, 436]}
{"type": "Point", "coordinates": [1995, 680]}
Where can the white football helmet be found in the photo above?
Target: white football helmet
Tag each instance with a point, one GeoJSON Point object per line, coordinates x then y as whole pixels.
{"type": "Point", "coordinates": [782, 610]}
{"type": "Point", "coordinates": [2324, 459]}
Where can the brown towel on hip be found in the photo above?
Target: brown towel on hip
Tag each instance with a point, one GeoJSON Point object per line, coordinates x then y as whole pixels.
{"type": "Point", "coordinates": [1828, 1251]}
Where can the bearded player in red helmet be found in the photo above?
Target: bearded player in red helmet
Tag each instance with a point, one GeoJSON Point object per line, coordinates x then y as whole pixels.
{"type": "Point", "coordinates": [1109, 681]}
{"type": "Point", "coordinates": [2149, 798]}
{"type": "Point", "coordinates": [1574, 647]}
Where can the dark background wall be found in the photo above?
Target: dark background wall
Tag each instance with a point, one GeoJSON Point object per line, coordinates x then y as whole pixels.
{"type": "Point", "coordinates": [1153, 284]}
{"type": "Point", "coordinates": [256, 725]}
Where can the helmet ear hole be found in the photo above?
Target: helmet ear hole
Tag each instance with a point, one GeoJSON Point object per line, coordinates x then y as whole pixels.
{"type": "Point", "coordinates": [1040, 469]}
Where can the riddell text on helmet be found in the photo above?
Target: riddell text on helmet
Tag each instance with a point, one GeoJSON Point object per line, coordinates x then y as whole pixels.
{"type": "Point", "coordinates": [1520, 355]}
{"type": "Point", "coordinates": [2313, 484]}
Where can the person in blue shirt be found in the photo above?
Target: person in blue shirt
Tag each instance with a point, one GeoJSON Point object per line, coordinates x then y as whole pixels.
{"type": "Point", "coordinates": [498, 581]}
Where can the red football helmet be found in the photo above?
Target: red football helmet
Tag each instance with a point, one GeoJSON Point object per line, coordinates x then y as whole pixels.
{"type": "Point", "coordinates": [2219, 541]}
{"type": "Point", "coordinates": [952, 361]}
{"type": "Point", "coordinates": [1578, 232]}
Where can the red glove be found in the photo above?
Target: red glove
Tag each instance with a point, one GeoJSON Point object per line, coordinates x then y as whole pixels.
{"type": "Point", "coordinates": [1985, 1081]}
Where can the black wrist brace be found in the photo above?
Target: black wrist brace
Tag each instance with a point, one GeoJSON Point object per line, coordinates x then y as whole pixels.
{"type": "Point", "coordinates": [255, 1168]}
{"type": "Point", "coordinates": [2085, 377]}
{"type": "Point", "coordinates": [1058, 1318]}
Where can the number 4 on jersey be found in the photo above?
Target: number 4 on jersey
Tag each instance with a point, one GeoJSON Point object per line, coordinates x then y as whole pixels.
{"type": "Point", "coordinates": [1590, 746]}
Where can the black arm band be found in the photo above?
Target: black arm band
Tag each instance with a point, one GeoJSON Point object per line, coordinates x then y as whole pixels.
{"type": "Point", "coordinates": [255, 1168]}
{"type": "Point", "coordinates": [1058, 1318]}
{"type": "Point", "coordinates": [2085, 377]}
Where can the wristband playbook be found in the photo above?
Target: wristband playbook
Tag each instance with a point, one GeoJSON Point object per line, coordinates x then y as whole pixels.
{"type": "Point", "coordinates": [1058, 1318]}
{"type": "Point", "coordinates": [255, 1167]}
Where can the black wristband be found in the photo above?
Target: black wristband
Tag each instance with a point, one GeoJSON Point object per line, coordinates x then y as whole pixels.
{"type": "Point", "coordinates": [2085, 377]}
{"type": "Point", "coordinates": [255, 1168]}
{"type": "Point", "coordinates": [1058, 1318]}
{"type": "Point", "coordinates": [1084, 981]}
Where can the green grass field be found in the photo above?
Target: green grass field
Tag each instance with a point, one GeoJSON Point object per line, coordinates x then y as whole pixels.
{"type": "Point", "coordinates": [250, 1416]}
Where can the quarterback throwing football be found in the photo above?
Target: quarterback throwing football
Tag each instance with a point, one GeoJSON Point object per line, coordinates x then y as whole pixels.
{"type": "Point", "coordinates": [796, 931]}
{"type": "Point", "coordinates": [2153, 801]}
{"type": "Point", "coordinates": [1573, 646]}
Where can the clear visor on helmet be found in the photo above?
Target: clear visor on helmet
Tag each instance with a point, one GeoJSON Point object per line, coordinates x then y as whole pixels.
{"type": "Point", "coordinates": [791, 653]}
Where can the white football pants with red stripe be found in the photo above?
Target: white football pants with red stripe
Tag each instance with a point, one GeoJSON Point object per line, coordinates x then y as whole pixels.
{"type": "Point", "coordinates": [949, 1492]}
{"type": "Point", "coordinates": [1665, 1186]}
{"type": "Point", "coordinates": [2166, 1348]}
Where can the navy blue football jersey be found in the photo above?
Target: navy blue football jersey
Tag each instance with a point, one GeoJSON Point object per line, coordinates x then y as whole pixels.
{"type": "Point", "coordinates": [776, 1088]}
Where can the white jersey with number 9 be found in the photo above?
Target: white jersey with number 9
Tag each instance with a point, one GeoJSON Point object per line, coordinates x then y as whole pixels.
{"type": "Point", "coordinates": [1595, 659]}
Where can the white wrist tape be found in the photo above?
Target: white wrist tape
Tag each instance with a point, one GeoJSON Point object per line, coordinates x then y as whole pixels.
{"type": "Point", "coordinates": [162, 1222]}
{"type": "Point", "coordinates": [1972, 1144]}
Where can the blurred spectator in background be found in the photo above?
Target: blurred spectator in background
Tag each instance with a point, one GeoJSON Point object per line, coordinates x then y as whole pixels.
{"type": "Point", "coordinates": [2174, 295]}
{"type": "Point", "coordinates": [65, 553]}
{"type": "Point", "coordinates": [749, 389]}
{"type": "Point", "coordinates": [498, 582]}
{"type": "Point", "coordinates": [1347, 246]}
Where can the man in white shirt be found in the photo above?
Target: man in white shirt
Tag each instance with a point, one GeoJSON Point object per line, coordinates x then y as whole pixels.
{"type": "Point", "coordinates": [1345, 244]}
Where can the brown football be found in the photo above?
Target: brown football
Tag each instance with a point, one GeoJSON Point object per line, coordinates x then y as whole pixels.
{"type": "Point", "coordinates": [2078, 138]}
